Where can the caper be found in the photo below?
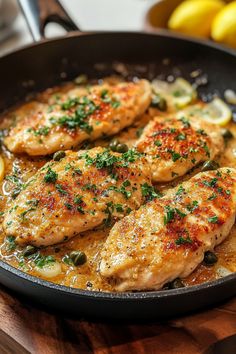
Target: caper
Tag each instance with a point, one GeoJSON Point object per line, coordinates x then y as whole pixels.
{"type": "Point", "coordinates": [29, 250]}
{"type": "Point", "coordinates": [227, 135]}
{"type": "Point", "coordinates": [210, 165]}
{"type": "Point", "coordinates": [210, 258]}
{"type": "Point", "coordinates": [59, 155]}
{"type": "Point", "coordinates": [78, 257]}
{"type": "Point", "coordinates": [113, 144]}
{"type": "Point", "coordinates": [122, 148]}
{"type": "Point", "coordinates": [159, 102]}
{"type": "Point", "coordinates": [176, 284]}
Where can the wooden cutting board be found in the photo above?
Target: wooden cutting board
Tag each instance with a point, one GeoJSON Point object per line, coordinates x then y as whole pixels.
{"type": "Point", "coordinates": [25, 328]}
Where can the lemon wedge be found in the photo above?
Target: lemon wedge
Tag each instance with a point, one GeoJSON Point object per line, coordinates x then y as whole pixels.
{"type": "Point", "coordinates": [179, 94]}
{"type": "Point", "coordinates": [224, 25]}
{"type": "Point", "coordinates": [2, 169]}
{"type": "Point", "coordinates": [216, 112]}
{"type": "Point", "coordinates": [194, 17]}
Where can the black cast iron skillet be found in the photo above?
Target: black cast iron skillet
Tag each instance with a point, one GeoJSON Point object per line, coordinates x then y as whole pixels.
{"type": "Point", "coordinates": [50, 62]}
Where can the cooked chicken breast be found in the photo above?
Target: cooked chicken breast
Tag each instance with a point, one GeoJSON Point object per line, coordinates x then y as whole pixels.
{"type": "Point", "coordinates": [174, 146]}
{"type": "Point", "coordinates": [78, 115]}
{"type": "Point", "coordinates": [167, 237]}
{"type": "Point", "coordinates": [77, 193]}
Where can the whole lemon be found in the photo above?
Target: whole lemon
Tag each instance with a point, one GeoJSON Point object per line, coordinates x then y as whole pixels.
{"type": "Point", "coordinates": [194, 17]}
{"type": "Point", "coordinates": [224, 25]}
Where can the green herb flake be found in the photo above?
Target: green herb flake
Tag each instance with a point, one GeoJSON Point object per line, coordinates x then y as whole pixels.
{"type": "Point", "coordinates": [158, 143]}
{"type": "Point", "coordinates": [180, 190]}
{"type": "Point", "coordinates": [51, 176]}
{"type": "Point", "coordinates": [42, 261]}
{"type": "Point", "coordinates": [180, 137]}
{"type": "Point", "coordinates": [10, 243]}
{"type": "Point", "coordinates": [149, 192]}
{"type": "Point", "coordinates": [213, 219]}
{"type": "Point", "coordinates": [185, 122]}
{"type": "Point", "coordinates": [60, 189]}
{"type": "Point", "coordinates": [170, 214]}
{"type": "Point", "coordinates": [183, 241]}
{"type": "Point", "coordinates": [212, 196]}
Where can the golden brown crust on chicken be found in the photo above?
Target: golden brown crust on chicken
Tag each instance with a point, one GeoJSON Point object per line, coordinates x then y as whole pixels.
{"type": "Point", "coordinates": [167, 237]}
{"type": "Point", "coordinates": [77, 193]}
{"type": "Point", "coordinates": [77, 115]}
{"type": "Point", "coordinates": [174, 146]}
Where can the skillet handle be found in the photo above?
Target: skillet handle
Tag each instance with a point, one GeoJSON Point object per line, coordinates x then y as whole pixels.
{"type": "Point", "coordinates": [38, 13]}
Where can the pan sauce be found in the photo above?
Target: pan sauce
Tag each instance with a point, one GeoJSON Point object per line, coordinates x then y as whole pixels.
{"type": "Point", "coordinates": [86, 276]}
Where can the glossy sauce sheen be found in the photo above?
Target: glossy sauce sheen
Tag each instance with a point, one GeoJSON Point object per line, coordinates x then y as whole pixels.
{"type": "Point", "coordinates": [87, 276]}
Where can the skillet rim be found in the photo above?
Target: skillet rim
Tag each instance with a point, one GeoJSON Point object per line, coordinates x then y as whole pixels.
{"type": "Point", "coordinates": [133, 296]}
{"type": "Point", "coordinates": [158, 33]}
{"type": "Point", "coordinates": [122, 296]}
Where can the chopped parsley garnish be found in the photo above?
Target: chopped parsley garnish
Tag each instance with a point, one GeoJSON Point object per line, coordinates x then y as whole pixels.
{"type": "Point", "coordinates": [104, 160]}
{"type": "Point", "coordinates": [11, 244]}
{"type": "Point", "coordinates": [206, 148]}
{"type": "Point", "coordinates": [105, 98]}
{"type": "Point", "coordinates": [42, 131]}
{"type": "Point", "coordinates": [78, 171]}
{"type": "Point", "coordinates": [193, 206]}
{"type": "Point", "coordinates": [34, 202]}
{"type": "Point", "coordinates": [180, 190]}
{"type": "Point", "coordinates": [89, 187]}
{"type": "Point", "coordinates": [149, 192]}
{"type": "Point", "coordinates": [76, 121]}
{"type": "Point", "coordinates": [68, 206]}
{"type": "Point", "coordinates": [25, 212]}
{"type": "Point", "coordinates": [78, 199]}
{"type": "Point", "coordinates": [131, 155]}
{"type": "Point", "coordinates": [171, 213]}
{"type": "Point", "coordinates": [158, 143]}
{"type": "Point", "coordinates": [180, 213]}
{"type": "Point", "coordinates": [15, 179]}
{"type": "Point", "coordinates": [213, 219]}
{"type": "Point", "coordinates": [107, 160]}
{"type": "Point", "coordinates": [80, 209]}
{"type": "Point", "coordinates": [127, 194]}
{"type": "Point", "coordinates": [175, 155]}
{"type": "Point", "coordinates": [180, 137]}
{"type": "Point", "coordinates": [185, 122]}
{"type": "Point", "coordinates": [119, 208]}
{"type": "Point", "coordinates": [51, 176]}
{"type": "Point", "coordinates": [42, 261]}
{"type": "Point", "coordinates": [68, 167]}
{"type": "Point", "coordinates": [201, 132]}
{"type": "Point", "coordinates": [60, 189]}
{"type": "Point", "coordinates": [210, 183]}
{"type": "Point", "coordinates": [70, 103]}
{"type": "Point", "coordinates": [183, 241]}
{"type": "Point", "coordinates": [84, 107]}
{"type": "Point", "coordinates": [212, 196]}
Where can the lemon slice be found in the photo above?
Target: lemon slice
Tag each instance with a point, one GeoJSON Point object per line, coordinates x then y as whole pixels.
{"type": "Point", "coordinates": [194, 17]}
{"type": "Point", "coordinates": [224, 25]}
{"type": "Point", "coordinates": [179, 94]}
{"type": "Point", "coordinates": [2, 168]}
{"type": "Point", "coordinates": [216, 112]}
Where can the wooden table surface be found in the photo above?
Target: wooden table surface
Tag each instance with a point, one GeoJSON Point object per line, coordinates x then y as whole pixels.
{"type": "Point", "coordinates": [25, 328]}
